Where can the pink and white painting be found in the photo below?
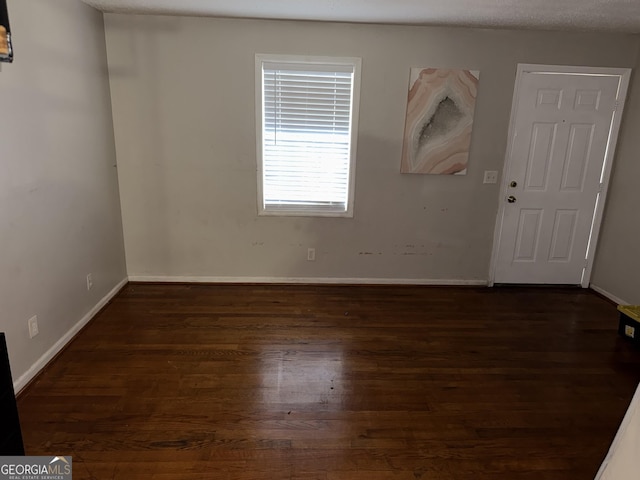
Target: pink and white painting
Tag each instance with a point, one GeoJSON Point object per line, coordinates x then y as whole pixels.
{"type": "Point", "coordinates": [437, 130]}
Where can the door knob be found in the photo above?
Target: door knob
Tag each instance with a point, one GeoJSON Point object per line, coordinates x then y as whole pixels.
{"type": "Point", "coordinates": [511, 199]}
{"type": "Point", "coordinates": [513, 184]}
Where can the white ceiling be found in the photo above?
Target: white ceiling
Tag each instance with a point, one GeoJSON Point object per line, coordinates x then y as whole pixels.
{"type": "Point", "coordinates": [601, 15]}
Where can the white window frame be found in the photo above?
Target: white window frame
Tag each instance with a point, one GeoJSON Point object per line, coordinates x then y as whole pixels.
{"type": "Point", "coordinates": [307, 211]}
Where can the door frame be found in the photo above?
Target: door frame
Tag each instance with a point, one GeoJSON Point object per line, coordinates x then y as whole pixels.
{"type": "Point", "coordinates": [624, 74]}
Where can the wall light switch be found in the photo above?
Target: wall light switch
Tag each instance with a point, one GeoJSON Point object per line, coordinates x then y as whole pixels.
{"type": "Point", "coordinates": [490, 176]}
{"type": "Point", "coordinates": [33, 326]}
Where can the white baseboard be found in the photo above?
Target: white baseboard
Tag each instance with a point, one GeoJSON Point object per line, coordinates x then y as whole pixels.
{"type": "Point", "coordinates": [309, 280]}
{"type": "Point", "coordinates": [610, 296]}
{"type": "Point", "coordinates": [26, 377]}
{"type": "Point", "coordinates": [625, 434]}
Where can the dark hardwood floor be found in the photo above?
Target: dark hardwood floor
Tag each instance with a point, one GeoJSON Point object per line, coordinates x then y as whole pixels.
{"type": "Point", "coordinates": [331, 383]}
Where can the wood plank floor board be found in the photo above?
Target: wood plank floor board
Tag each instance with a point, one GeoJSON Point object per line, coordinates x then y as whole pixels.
{"type": "Point", "coordinates": [336, 382]}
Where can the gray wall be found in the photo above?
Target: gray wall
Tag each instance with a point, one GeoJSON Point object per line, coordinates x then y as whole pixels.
{"type": "Point", "coordinates": [183, 104]}
{"type": "Point", "coordinates": [617, 266]}
{"type": "Point", "coordinates": [59, 205]}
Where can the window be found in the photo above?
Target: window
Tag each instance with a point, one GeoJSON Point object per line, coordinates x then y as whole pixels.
{"type": "Point", "coordinates": [307, 111]}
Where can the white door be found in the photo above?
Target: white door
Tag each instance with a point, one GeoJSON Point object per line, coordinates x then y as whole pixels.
{"type": "Point", "coordinates": [562, 129]}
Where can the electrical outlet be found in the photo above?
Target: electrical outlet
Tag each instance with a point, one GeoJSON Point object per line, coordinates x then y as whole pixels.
{"type": "Point", "coordinates": [311, 254]}
{"type": "Point", "coordinates": [89, 282]}
{"type": "Point", "coordinates": [629, 331]}
{"type": "Point", "coordinates": [33, 326]}
{"type": "Point", "coordinates": [490, 176]}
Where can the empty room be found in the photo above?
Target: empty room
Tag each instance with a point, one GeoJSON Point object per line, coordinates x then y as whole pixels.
{"type": "Point", "coordinates": [320, 240]}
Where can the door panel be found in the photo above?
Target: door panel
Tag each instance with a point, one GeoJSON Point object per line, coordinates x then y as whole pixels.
{"type": "Point", "coordinates": [543, 139]}
{"type": "Point", "coordinates": [549, 98]}
{"type": "Point", "coordinates": [564, 229]}
{"type": "Point", "coordinates": [561, 130]}
{"type": "Point", "coordinates": [587, 100]}
{"type": "Point", "coordinates": [528, 235]}
{"type": "Point", "coordinates": [577, 159]}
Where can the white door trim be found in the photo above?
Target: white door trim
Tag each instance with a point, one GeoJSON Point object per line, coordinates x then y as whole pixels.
{"type": "Point", "coordinates": [625, 74]}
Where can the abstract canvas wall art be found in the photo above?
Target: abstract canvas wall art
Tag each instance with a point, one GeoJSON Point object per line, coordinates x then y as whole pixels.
{"type": "Point", "coordinates": [437, 130]}
{"type": "Point", "coordinates": [6, 49]}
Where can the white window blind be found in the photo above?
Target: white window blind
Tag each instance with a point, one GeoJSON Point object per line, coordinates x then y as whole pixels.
{"type": "Point", "coordinates": [307, 136]}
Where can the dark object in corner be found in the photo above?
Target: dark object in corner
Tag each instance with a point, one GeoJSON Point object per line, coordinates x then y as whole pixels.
{"type": "Point", "coordinates": [629, 325]}
{"type": "Point", "coordinates": [6, 48]}
{"type": "Point", "coordinates": [10, 433]}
